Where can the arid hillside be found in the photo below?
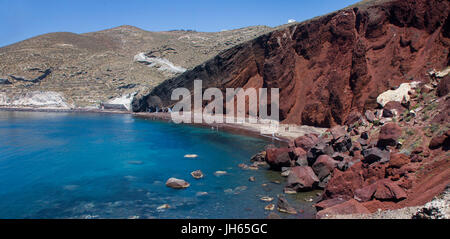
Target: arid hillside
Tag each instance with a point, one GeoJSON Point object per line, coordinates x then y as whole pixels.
{"type": "Point", "coordinates": [86, 69]}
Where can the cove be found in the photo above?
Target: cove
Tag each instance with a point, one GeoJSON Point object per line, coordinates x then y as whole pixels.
{"type": "Point", "coordinates": [90, 165]}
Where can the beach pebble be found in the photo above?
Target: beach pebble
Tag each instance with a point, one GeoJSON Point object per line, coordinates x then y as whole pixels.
{"type": "Point", "coordinates": [251, 179]}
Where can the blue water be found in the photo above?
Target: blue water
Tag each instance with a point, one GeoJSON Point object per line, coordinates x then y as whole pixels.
{"type": "Point", "coordinates": [79, 165]}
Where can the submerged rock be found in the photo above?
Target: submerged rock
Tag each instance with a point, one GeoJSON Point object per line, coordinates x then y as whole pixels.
{"type": "Point", "coordinates": [220, 173]}
{"type": "Point", "coordinates": [273, 215]}
{"type": "Point", "coordinates": [375, 155]}
{"type": "Point", "coordinates": [284, 206]}
{"type": "Point", "coordinates": [269, 207]}
{"type": "Point", "coordinates": [200, 194]}
{"type": "Point", "coordinates": [266, 199]}
{"type": "Point", "coordinates": [197, 174]}
{"type": "Point", "coordinates": [177, 183]}
{"type": "Point", "coordinates": [259, 157]}
{"type": "Point", "coordinates": [164, 206]}
{"type": "Point", "coordinates": [289, 191]}
{"type": "Point", "coordinates": [191, 156]}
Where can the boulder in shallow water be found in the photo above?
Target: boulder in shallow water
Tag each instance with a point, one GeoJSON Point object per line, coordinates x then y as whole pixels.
{"type": "Point", "coordinates": [259, 157]}
{"type": "Point", "coordinates": [323, 166]}
{"type": "Point", "coordinates": [284, 206]}
{"type": "Point", "coordinates": [198, 174]}
{"type": "Point", "coordinates": [302, 178]}
{"type": "Point", "coordinates": [177, 183]}
{"type": "Point", "coordinates": [278, 158]}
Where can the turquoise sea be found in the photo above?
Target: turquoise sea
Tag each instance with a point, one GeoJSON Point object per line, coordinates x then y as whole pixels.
{"type": "Point", "coordinates": [89, 165]}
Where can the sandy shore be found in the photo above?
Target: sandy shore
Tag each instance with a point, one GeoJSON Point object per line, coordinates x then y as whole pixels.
{"type": "Point", "coordinates": [277, 132]}
{"type": "Point", "coordinates": [280, 132]}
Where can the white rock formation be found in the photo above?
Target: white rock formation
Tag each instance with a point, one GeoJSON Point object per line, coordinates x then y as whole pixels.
{"type": "Point", "coordinates": [161, 64]}
{"type": "Point", "coordinates": [124, 100]}
{"type": "Point", "coordinates": [400, 94]}
{"type": "Point", "coordinates": [39, 99]}
{"type": "Point", "coordinates": [440, 74]}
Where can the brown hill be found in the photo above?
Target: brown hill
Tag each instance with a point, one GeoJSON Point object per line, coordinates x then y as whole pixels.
{"type": "Point", "coordinates": [94, 67]}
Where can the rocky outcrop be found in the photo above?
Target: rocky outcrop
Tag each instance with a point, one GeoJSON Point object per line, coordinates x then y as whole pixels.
{"type": "Point", "coordinates": [330, 66]}
{"type": "Point", "coordinates": [376, 160]}
{"type": "Point", "coordinates": [302, 178]}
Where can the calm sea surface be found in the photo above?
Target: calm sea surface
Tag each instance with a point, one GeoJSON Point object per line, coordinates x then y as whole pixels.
{"type": "Point", "coordinates": [80, 165]}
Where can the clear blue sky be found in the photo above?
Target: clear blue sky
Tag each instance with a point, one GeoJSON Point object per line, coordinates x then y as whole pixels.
{"type": "Point", "coordinates": [22, 19]}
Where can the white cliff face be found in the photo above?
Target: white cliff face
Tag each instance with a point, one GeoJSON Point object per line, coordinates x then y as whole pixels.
{"type": "Point", "coordinates": [161, 64]}
{"type": "Point", "coordinates": [399, 95]}
{"type": "Point", "coordinates": [37, 99]}
{"type": "Point", "coordinates": [124, 100]}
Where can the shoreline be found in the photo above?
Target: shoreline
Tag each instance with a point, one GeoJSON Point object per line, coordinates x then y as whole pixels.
{"type": "Point", "coordinates": [283, 133]}
{"type": "Point", "coordinates": [61, 110]}
{"type": "Point", "coordinates": [286, 134]}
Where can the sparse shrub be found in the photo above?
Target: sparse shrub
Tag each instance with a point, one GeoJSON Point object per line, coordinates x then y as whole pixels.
{"type": "Point", "coordinates": [410, 132]}
{"type": "Point", "coordinates": [376, 122]}
{"type": "Point", "coordinates": [434, 128]}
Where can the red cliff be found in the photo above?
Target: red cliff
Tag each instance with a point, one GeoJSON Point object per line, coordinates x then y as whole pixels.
{"type": "Point", "coordinates": [332, 65]}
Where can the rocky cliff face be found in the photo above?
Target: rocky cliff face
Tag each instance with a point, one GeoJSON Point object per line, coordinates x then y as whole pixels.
{"type": "Point", "coordinates": [332, 65]}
